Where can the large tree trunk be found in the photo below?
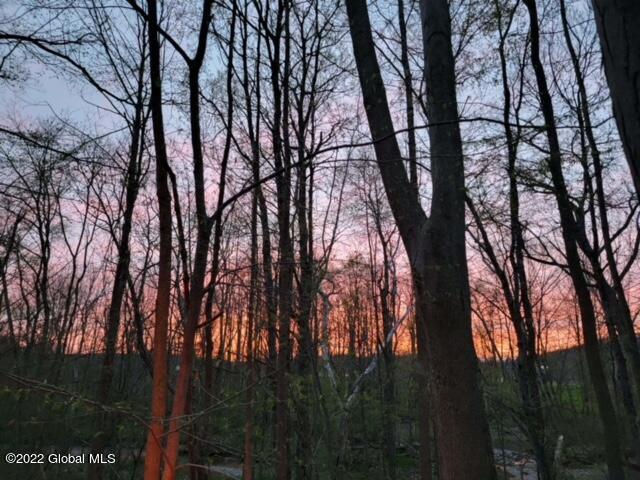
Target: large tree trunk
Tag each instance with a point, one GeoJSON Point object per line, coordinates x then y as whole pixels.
{"type": "Point", "coordinates": [436, 246]}
{"type": "Point", "coordinates": [444, 281]}
{"type": "Point", "coordinates": [617, 22]}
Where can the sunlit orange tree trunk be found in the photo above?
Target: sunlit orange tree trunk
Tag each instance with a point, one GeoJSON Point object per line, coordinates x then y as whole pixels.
{"type": "Point", "coordinates": [154, 447]}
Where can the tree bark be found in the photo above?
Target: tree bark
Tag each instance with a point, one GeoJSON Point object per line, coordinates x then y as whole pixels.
{"type": "Point", "coordinates": [436, 246]}
{"type": "Point", "coordinates": [154, 446]}
{"type": "Point", "coordinates": [617, 23]}
{"type": "Point", "coordinates": [282, 162]}
{"type": "Point", "coordinates": [203, 236]}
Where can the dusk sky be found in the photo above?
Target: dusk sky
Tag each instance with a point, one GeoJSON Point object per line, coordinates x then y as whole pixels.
{"type": "Point", "coordinates": [319, 239]}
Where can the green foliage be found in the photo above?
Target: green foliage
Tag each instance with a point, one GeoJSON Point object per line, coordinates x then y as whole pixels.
{"type": "Point", "coordinates": [351, 442]}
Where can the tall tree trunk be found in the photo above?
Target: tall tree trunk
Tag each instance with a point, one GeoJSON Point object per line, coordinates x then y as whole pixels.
{"type": "Point", "coordinates": [570, 235]}
{"type": "Point", "coordinates": [203, 236]}
{"type": "Point", "coordinates": [282, 162]}
{"type": "Point", "coordinates": [617, 23]}
{"type": "Point", "coordinates": [613, 297]}
{"type": "Point", "coordinates": [154, 446]}
{"type": "Point", "coordinates": [435, 245]}
{"type": "Point", "coordinates": [444, 282]}
{"type": "Point", "coordinates": [621, 376]}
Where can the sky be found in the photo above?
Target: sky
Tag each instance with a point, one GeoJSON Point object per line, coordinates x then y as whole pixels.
{"type": "Point", "coordinates": [44, 95]}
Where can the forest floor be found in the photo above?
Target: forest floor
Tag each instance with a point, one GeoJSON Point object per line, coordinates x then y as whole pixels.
{"type": "Point", "coordinates": [517, 465]}
{"type": "Point", "coordinates": [522, 466]}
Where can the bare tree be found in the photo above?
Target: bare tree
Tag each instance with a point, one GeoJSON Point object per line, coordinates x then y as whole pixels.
{"type": "Point", "coordinates": [154, 452]}
{"type": "Point", "coordinates": [570, 235]}
{"type": "Point", "coordinates": [435, 244]}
